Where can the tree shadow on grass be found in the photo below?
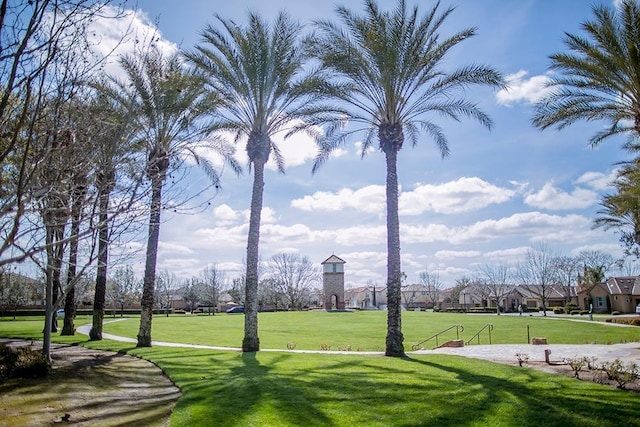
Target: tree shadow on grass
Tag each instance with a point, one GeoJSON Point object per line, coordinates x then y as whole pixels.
{"type": "Point", "coordinates": [538, 398]}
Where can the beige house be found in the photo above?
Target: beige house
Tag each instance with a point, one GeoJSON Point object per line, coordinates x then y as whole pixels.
{"type": "Point", "coordinates": [366, 297]}
{"type": "Point", "coordinates": [616, 294]}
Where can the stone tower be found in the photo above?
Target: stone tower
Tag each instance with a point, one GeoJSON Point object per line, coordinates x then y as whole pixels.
{"type": "Point", "coordinates": [333, 283]}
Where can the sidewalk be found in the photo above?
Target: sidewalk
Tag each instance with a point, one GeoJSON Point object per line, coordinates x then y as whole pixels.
{"type": "Point", "coordinates": [502, 353]}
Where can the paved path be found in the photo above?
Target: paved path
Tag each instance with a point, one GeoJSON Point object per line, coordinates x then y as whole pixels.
{"type": "Point", "coordinates": [503, 353]}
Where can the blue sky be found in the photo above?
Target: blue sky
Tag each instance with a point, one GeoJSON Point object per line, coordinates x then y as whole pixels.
{"type": "Point", "coordinates": [498, 194]}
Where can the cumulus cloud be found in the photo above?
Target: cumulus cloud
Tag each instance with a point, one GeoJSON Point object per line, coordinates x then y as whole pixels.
{"type": "Point", "coordinates": [225, 215]}
{"type": "Point", "coordinates": [521, 89]}
{"type": "Point", "coordinates": [463, 195]}
{"type": "Point", "coordinates": [173, 248]}
{"type": "Point", "coordinates": [532, 225]}
{"type": "Point", "coordinates": [598, 180]}
{"type": "Point", "coordinates": [117, 32]}
{"type": "Point", "coordinates": [369, 199]}
{"type": "Point", "coordinates": [552, 198]}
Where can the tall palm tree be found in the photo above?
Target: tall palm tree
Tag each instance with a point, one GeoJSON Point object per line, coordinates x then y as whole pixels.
{"type": "Point", "coordinates": [599, 78]}
{"type": "Point", "coordinates": [388, 71]}
{"type": "Point", "coordinates": [171, 110]}
{"type": "Point", "coordinates": [256, 70]}
{"type": "Point", "coordinates": [620, 211]}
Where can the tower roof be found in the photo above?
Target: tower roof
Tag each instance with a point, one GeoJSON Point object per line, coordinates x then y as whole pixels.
{"type": "Point", "coordinates": [333, 259]}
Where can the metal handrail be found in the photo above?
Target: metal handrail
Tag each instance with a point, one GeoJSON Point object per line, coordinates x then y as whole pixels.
{"type": "Point", "coordinates": [489, 328]}
{"type": "Point", "coordinates": [459, 328]}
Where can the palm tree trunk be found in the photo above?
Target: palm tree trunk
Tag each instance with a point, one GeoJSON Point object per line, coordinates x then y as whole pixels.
{"type": "Point", "coordinates": [251, 342]}
{"type": "Point", "coordinates": [394, 341]}
{"type": "Point", "coordinates": [68, 327]}
{"type": "Point", "coordinates": [148, 286]}
{"type": "Point", "coordinates": [106, 186]}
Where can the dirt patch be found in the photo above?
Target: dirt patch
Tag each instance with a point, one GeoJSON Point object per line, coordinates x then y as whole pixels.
{"type": "Point", "coordinates": [594, 375]}
{"type": "Point", "coordinates": [87, 388]}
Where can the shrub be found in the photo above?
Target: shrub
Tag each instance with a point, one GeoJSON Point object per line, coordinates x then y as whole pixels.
{"type": "Point", "coordinates": [22, 362]}
{"type": "Point", "coordinates": [620, 372]}
{"type": "Point", "coordinates": [576, 364]}
{"type": "Point", "coordinates": [558, 310]}
{"type": "Point", "coordinates": [634, 321]}
{"type": "Point", "coordinates": [584, 312]}
{"type": "Point", "coordinates": [574, 312]}
{"type": "Point", "coordinates": [615, 313]}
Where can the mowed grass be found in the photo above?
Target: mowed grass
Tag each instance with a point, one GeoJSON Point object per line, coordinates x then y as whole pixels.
{"type": "Point", "coordinates": [287, 389]}
{"type": "Point", "coordinates": [290, 389]}
{"type": "Point", "coordinates": [366, 330]}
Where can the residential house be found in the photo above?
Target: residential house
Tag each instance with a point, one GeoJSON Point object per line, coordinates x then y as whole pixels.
{"type": "Point", "coordinates": [366, 297]}
{"type": "Point", "coordinates": [616, 294]}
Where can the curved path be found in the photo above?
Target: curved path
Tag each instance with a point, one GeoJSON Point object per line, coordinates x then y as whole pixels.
{"type": "Point", "coordinates": [501, 353]}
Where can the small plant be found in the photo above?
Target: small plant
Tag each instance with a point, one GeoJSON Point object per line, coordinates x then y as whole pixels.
{"type": "Point", "coordinates": [591, 360]}
{"type": "Point", "coordinates": [576, 364]}
{"type": "Point", "coordinates": [523, 358]}
{"type": "Point", "coordinates": [620, 372]}
{"type": "Point", "coordinates": [291, 346]}
{"type": "Point", "coordinates": [325, 347]}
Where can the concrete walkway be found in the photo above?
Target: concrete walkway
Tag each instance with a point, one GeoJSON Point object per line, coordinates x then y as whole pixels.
{"type": "Point", "coordinates": [502, 353]}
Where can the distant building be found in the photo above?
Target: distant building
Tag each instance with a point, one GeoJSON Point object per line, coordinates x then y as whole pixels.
{"type": "Point", "coordinates": [333, 283]}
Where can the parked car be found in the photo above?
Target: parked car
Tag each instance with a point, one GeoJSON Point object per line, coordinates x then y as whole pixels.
{"type": "Point", "coordinates": [236, 309]}
{"type": "Point", "coordinates": [60, 312]}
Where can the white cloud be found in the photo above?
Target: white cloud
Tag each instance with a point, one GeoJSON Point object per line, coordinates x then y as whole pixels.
{"type": "Point", "coordinates": [173, 248]}
{"type": "Point", "coordinates": [369, 199]}
{"type": "Point", "coordinates": [598, 180]}
{"type": "Point", "coordinates": [463, 195]}
{"type": "Point", "coordinates": [117, 32]}
{"type": "Point", "coordinates": [531, 225]}
{"type": "Point", "coordinates": [225, 215]}
{"type": "Point", "coordinates": [520, 89]}
{"type": "Point", "coordinates": [552, 198]}
{"type": "Point", "coordinates": [448, 255]}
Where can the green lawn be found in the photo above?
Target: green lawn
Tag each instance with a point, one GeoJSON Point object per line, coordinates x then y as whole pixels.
{"type": "Point", "coordinates": [289, 389]}
{"type": "Point", "coordinates": [366, 330]}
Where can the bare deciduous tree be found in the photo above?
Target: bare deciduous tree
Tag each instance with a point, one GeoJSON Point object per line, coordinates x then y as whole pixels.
{"type": "Point", "coordinates": [538, 273]}
{"type": "Point", "coordinates": [432, 285]}
{"type": "Point", "coordinates": [498, 279]}
{"type": "Point", "coordinates": [294, 275]}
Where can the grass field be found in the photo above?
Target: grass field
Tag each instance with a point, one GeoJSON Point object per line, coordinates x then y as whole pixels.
{"type": "Point", "coordinates": [285, 389]}
{"type": "Point", "coordinates": [366, 330]}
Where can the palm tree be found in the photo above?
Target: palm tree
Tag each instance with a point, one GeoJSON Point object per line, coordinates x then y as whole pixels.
{"type": "Point", "coordinates": [170, 107]}
{"type": "Point", "coordinates": [599, 78]}
{"type": "Point", "coordinates": [256, 71]}
{"type": "Point", "coordinates": [387, 67]}
{"type": "Point", "coordinates": [620, 211]}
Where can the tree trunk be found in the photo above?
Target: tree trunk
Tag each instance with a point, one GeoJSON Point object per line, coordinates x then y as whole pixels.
{"type": "Point", "coordinates": [394, 340]}
{"type": "Point", "coordinates": [148, 286]}
{"type": "Point", "coordinates": [48, 292]}
{"type": "Point", "coordinates": [251, 342]}
{"type": "Point", "coordinates": [58, 253]}
{"type": "Point", "coordinates": [106, 186]}
{"type": "Point", "coordinates": [68, 327]}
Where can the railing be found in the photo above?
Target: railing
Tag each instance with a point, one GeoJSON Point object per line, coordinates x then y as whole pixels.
{"type": "Point", "coordinates": [459, 329]}
{"type": "Point", "coordinates": [488, 327]}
